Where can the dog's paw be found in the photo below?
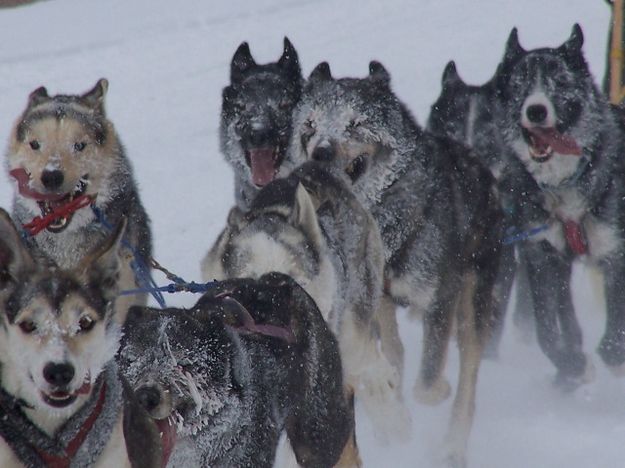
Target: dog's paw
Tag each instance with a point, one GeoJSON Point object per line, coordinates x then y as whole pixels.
{"type": "Point", "coordinates": [433, 394]}
{"type": "Point", "coordinates": [568, 383]}
{"type": "Point", "coordinates": [379, 390]}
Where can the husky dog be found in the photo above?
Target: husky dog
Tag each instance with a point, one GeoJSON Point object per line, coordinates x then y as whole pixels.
{"type": "Point", "coordinates": [466, 114]}
{"type": "Point", "coordinates": [62, 402]}
{"type": "Point", "coordinates": [566, 136]}
{"type": "Point", "coordinates": [256, 118]}
{"type": "Point", "coordinates": [438, 214]}
{"type": "Point", "coordinates": [250, 358]}
{"type": "Point", "coordinates": [63, 148]}
{"type": "Point", "coordinates": [311, 227]}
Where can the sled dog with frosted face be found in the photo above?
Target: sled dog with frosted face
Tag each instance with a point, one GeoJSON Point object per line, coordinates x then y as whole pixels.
{"type": "Point", "coordinates": [437, 211]}
{"type": "Point", "coordinates": [564, 134]}
{"type": "Point", "coordinates": [467, 113]}
{"type": "Point", "coordinates": [62, 402]}
{"type": "Point", "coordinates": [63, 148]}
{"type": "Point", "coordinates": [256, 118]}
{"type": "Point", "coordinates": [311, 227]}
{"type": "Point", "coordinates": [251, 358]}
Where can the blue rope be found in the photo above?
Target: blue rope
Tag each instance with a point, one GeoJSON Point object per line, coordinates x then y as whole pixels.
{"type": "Point", "coordinates": [139, 267]}
{"type": "Point", "coordinates": [172, 288]}
{"type": "Point", "coordinates": [521, 236]}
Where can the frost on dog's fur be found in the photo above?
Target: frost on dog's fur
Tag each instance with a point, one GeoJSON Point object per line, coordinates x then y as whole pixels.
{"type": "Point", "coordinates": [437, 210]}
{"type": "Point", "coordinates": [230, 387]}
{"type": "Point", "coordinates": [567, 139]}
{"type": "Point", "coordinates": [63, 147]}
{"type": "Point", "coordinates": [311, 227]}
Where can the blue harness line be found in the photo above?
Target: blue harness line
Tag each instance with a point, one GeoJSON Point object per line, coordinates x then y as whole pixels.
{"type": "Point", "coordinates": [143, 276]}
{"type": "Point", "coordinates": [521, 236]}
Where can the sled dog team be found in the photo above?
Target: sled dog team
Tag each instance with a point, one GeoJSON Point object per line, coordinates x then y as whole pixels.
{"type": "Point", "coordinates": [345, 209]}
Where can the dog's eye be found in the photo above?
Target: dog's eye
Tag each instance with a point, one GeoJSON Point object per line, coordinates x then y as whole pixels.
{"type": "Point", "coordinates": [86, 323]}
{"type": "Point", "coordinates": [308, 130]}
{"type": "Point", "coordinates": [79, 146]}
{"type": "Point", "coordinates": [34, 144]}
{"type": "Point", "coordinates": [27, 326]}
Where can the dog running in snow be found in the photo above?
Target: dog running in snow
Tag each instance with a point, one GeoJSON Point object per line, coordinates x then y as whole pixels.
{"type": "Point", "coordinates": [256, 118]}
{"type": "Point", "coordinates": [438, 213]}
{"type": "Point", "coordinates": [467, 113]}
{"type": "Point", "coordinates": [310, 226]}
{"type": "Point", "coordinates": [62, 402]}
{"type": "Point", "coordinates": [251, 358]}
{"type": "Point", "coordinates": [567, 138]}
{"type": "Point", "coordinates": [63, 149]}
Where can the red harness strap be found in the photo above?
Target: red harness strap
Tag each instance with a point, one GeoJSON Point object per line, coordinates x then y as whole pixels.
{"type": "Point", "coordinates": [575, 237]}
{"type": "Point", "coordinates": [55, 461]}
{"type": "Point", "coordinates": [39, 223]}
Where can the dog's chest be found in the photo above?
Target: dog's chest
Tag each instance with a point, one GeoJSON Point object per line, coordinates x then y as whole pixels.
{"type": "Point", "coordinates": [573, 227]}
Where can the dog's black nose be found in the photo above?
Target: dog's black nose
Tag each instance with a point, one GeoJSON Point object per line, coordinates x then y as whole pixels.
{"type": "Point", "coordinates": [149, 397]}
{"type": "Point", "coordinates": [323, 153]}
{"type": "Point", "coordinates": [52, 180]}
{"type": "Point", "coordinates": [536, 113]}
{"type": "Point", "coordinates": [58, 374]}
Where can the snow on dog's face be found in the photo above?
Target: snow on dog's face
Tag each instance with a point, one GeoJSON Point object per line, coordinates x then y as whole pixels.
{"type": "Point", "coordinates": [549, 106]}
{"type": "Point", "coordinates": [62, 147]}
{"type": "Point", "coordinates": [179, 367]}
{"type": "Point", "coordinates": [256, 113]}
{"type": "Point", "coordinates": [56, 327]}
{"type": "Point", "coordinates": [357, 125]}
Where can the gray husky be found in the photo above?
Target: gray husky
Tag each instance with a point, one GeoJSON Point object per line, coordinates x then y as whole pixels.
{"type": "Point", "coordinates": [251, 358]}
{"type": "Point", "coordinates": [62, 150]}
{"type": "Point", "coordinates": [310, 226]}
{"type": "Point", "coordinates": [62, 402]}
{"type": "Point", "coordinates": [256, 118]}
{"type": "Point", "coordinates": [467, 114]}
{"type": "Point", "coordinates": [566, 137]}
{"type": "Point", "coordinates": [438, 213]}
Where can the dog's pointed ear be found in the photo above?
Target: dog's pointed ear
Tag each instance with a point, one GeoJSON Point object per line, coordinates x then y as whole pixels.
{"type": "Point", "coordinates": [289, 61]}
{"type": "Point", "coordinates": [321, 73]}
{"type": "Point", "coordinates": [304, 215]}
{"type": "Point", "coordinates": [38, 96]}
{"type": "Point", "coordinates": [242, 61]}
{"type": "Point", "coordinates": [15, 260]}
{"type": "Point", "coordinates": [573, 45]}
{"type": "Point", "coordinates": [94, 98]}
{"type": "Point", "coordinates": [450, 75]}
{"type": "Point", "coordinates": [513, 47]}
{"type": "Point", "coordinates": [378, 73]}
{"type": "Point", "coordinates": [100, 268]}
{"type": "Point", "coordinates": [236, 217]}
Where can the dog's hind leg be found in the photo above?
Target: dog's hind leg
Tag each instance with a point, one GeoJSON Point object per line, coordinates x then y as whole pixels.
{"type": "Point", "coordinates": [390, 341]}
{"type": "Point", "coordinates": [612, 346]}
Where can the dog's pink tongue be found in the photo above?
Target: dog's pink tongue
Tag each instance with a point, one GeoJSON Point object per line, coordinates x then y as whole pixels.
{"type": "Point", "coordinates": [168, 438]}
{"type": "Point", "coordinates": [263, 170]}
{"type": "Point", "coordinates": [559, 142]}
{"type": "Point", "coordinates": [23, 186]}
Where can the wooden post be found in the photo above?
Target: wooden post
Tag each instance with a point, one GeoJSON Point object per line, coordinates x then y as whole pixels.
{"type": "Point", "coordinates": [616, 54]}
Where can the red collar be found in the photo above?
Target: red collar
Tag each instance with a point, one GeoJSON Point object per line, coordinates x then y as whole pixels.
{"type": "Point", "coordinates": [55, 461]}
{"type": "Point", "coordinates": [575, 237]}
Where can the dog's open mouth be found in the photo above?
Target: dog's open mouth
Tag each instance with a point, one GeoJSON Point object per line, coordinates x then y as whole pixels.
{"type": "Point", "coordinates": [63, 398]}
{"type": "Point", "coordinates": [357, 167]}
{"type": "Point", "coordinates": [264, 164]}
{"type": "Point", "coordinates": [543, 142]}
{"type": "Point", "coordinates": [48, 206]}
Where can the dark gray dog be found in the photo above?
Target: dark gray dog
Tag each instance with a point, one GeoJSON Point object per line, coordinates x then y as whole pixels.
{"type": "Point", "coordinates": [253, 357]}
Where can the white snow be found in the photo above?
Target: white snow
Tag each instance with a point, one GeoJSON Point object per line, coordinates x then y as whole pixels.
{"type": "Point", "coordinates": [167, 63]}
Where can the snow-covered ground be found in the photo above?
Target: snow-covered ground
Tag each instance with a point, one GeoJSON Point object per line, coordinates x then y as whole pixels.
{"type": "Point", "coordinates": [167, 63]}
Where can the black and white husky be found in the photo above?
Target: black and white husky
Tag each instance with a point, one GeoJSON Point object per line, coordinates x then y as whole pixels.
{"type": "Point", "coordinates": [311, 227]}
{"type": "Point", "coordinates": [64, 149]}
{"type": "Point", "coordinates": [251, 358]}
{"type": "Point", "coordinates": [62, 402]}
{"type": "Point", "coordinates": [565, 135]}
{"type": "Point", "coordinates": [256, 118]}
{"type": "Point", "coordinates": [438, 213]}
